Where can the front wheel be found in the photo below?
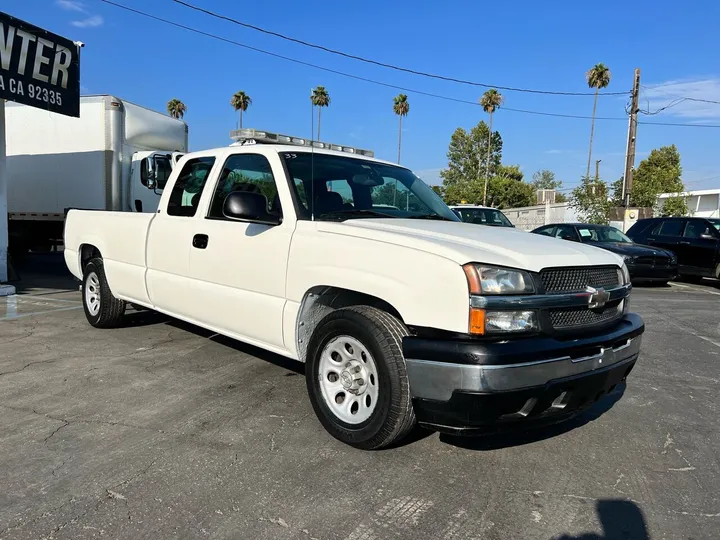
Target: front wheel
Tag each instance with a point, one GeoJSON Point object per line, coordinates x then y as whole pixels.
{"type": "Point", "coordinates": [102, 309]}
{"type": "Point", "coordinates": [356, 377]}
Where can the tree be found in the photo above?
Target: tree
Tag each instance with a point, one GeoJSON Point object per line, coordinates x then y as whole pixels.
{"type": "Point", "coordinates": [438, 190]}
{"type": "Point", "coordinates": [545, 179]}
{"type": "Point", "coordinates": [675, 206]}
{"type": "Point", "coordinates": [240, 102]}
{"type": "Point", "coordinates": [463, 152]}
{"type": "Point", "coordinates": [320, 98]}
{"type": "Point", "coordinates": [659, 173]}
{"type": "Point", "coordinates": [590, 200]}
{"type": "Point", "coordinates": [511, 172]}
{"type": "Point", "coordinates": [597, 77]}
{"type": "Point", "coordinates": [401, 107]}
{"type": "Point", "coordinates": [506, 192]}
{"type": "Point", "coordinates": [176, 108]}
{"type": "Point", "coordinates": [490, 102]}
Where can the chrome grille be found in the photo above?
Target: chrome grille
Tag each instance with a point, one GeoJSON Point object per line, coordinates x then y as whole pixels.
{"type": "Point", "coordinates": [564, 280]}
{"type": "Point", "coordinates": [569, 318]}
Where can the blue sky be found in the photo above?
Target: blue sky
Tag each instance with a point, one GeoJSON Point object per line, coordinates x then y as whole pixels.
{"type": "Point", "coordinates": [542, 45]}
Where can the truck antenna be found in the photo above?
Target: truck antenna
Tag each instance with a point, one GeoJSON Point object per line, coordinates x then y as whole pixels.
{"type": "Point", "coordinates": [312, 160]}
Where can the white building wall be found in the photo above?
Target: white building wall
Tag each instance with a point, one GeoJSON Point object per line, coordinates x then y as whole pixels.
{"type": "Point", "coordinates": [702, 203]}
{"type": "Point", "coordinates": [531, 217]}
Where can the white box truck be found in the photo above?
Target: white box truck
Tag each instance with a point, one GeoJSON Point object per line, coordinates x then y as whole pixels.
{"type": "Point", "coordinates": [116, 156]}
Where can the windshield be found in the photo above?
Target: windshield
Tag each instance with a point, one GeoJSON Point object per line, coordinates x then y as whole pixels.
{"type": "Point", "coordinates": [483, 216]}
{"type": "Point", "coordinates": [590, 233]}
{"type": "Point", "coordinates": [330, 187]}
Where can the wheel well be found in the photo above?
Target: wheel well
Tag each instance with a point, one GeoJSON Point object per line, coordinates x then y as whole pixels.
{"type": "Point", "coordinates": [321, 300]}
{"type": "Point", "coordinates": [88, 252]}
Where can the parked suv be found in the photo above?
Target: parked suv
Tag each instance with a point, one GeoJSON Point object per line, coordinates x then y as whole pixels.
{"type": "Point", "coordinates": [695, 241]}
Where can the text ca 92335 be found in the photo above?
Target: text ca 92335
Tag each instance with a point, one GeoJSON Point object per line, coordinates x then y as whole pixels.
{"type": "Point", "coordinates": [33, 91]}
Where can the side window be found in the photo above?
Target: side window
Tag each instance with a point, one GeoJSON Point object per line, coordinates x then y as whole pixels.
{"type": "Point", "coordinates": [186, 193]}
{"type": "Point", "coordinates": [696, 228]}
{"type": "Point", "coordinates": [671, 227]}
{"type": "Point", "coordinates": [546, 231]}
{"type": "Point", "coordinates": [245, 172]}
{"type": "Point", "coordinates": [566, 232]}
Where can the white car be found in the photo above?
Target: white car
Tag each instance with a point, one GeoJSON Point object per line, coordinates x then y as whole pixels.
{"type": "Point", "coordinates": [402, 315]}
{"type": "Point", "coordinates": [481, 215]}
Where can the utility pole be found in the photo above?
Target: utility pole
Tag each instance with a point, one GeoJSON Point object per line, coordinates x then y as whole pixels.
{"type": "Point", "coordinates": [597, 170]}
{"type": "Point", "coordinates": [631, 139]}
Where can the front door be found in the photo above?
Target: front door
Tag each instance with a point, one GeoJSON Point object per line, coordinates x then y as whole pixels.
{"type": "Point", "coordinates": [239, 272]}
{"type": "Point", "coordinates": [699, 246]}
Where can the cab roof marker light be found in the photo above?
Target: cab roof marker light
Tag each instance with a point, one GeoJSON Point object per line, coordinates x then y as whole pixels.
{"type": "Point", "coordinates": [245, 136]}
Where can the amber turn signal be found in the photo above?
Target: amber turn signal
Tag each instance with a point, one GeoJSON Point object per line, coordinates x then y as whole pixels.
{"type": "Point", "coordinates": [473, 278]}
{"type": "Point", "coordinates": [477, 321]}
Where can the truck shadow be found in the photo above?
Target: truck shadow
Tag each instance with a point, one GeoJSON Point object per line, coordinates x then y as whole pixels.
{"type": "Point", "coordinates": [529, 436]}
{"type": "Point", "coordinates": [620, 520]}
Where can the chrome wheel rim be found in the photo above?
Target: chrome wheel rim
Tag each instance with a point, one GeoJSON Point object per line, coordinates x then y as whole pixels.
{"type": "Point", "coordinates": [348, 379]}
{"type": "Point", "coordinates": [92, 294]}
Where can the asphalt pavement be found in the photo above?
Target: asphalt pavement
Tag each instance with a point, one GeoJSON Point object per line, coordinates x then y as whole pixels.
{"type": "Point", "coordinates": [162, 430]}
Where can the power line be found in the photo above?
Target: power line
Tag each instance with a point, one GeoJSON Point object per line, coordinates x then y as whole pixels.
{"type": "Point", "coordinates": [383, 64]}
{"type": "Point", "coordinates": [344, 74]}
{"type": "Point", "coordinates": [679, 124]}
{"type": "Point", "coordinates": [364, 79]}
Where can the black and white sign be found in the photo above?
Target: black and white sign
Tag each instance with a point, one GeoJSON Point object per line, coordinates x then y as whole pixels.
{"type": "Point", "coordinates": [38, 68]}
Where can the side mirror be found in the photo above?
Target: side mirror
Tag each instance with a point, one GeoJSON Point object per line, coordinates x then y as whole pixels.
{"type": "Point", "coordinates": [147, 173]}
{"type": "Point", "coordinates": [708, 236]}
{"type": "Point", "coordinates": [248, 206]}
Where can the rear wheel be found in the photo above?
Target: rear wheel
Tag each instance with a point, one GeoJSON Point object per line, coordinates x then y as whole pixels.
{"type": "Point", "coordinates": [102, 309]}
{"type": "Point", "coordinates": [356, 377]}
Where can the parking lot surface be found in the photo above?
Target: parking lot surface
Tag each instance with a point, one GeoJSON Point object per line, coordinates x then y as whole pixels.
{"type": "Point", "coordinates": [162, 430]}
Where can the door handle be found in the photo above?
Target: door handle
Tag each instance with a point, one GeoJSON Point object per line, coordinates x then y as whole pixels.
{"type": "Point", "coordinates": [200, 241]}
{"type": "Point", "coordinates": [684, 242]}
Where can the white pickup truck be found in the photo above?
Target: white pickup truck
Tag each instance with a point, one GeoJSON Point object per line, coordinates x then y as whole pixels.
{"type": "Point", "coordinates": [402, 313]}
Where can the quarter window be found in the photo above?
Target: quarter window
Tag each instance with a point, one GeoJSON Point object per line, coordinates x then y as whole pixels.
{"type": "Point", "coordinates": [245, 172]}
{"type": "Point", "coordinates": [187, 190]}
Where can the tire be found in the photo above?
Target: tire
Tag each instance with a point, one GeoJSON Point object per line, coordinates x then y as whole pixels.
{"type": "Point", "coordinates": [384, 412]}
{"type": "Point", "coordinates": [102, 309]}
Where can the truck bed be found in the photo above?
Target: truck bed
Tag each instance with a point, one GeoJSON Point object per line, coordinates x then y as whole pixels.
{"type": "Point", "coordinates": [121, 238]}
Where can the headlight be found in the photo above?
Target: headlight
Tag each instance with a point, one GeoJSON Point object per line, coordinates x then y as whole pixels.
{"type": "Point", "coordinates": [673, 258]}
{"type": "Point", "coordinates": [625, 274]}
{"type": "Point", "coordinates": [628, 260]}
{"type": "Point", "coordinates": [495, 280]}
{"type": "Point", "coordinates": [509, 321]}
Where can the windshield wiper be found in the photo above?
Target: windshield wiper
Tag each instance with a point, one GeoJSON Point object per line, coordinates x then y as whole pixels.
{"type": "Point", "coordinates": [348, 214]}
{"type": "Point", "coordinates": [430, 216]}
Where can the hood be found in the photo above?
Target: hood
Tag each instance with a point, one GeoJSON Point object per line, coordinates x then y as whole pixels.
{"type": "Point", "coordinates": [467, 242]}
{"type": "Point", "coordinates": [631, 250]}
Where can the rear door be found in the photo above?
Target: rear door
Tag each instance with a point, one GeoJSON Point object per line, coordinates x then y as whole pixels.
{"type": "Point", "coordinates": [699, 246]}
{"type": "Point", "coordinates": [667, 235]}
{"type": "Point", "coordinates": [170, 239]}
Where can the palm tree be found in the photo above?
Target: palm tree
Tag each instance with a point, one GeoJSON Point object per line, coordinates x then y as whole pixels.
{"type": "Point", "coordinates": [320, 98]}
{"type": "Point", "coordinates": [401, 107]}
{"type": "Point", "coordinates": [490, 102]}
{"type": "Point", "coordinates": [176, 108]}
{"type": "Point", "coordinates": [598, 77]}
{"type": "Point", "coordinates": [240, 102]}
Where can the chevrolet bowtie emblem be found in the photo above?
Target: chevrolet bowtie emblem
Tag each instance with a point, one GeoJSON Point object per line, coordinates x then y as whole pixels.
{"type": "Point", "coordinates": [597, 297]}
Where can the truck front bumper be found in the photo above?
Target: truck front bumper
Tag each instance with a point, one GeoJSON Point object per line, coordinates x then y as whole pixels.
{"type": "Point", "coordinates": [470, 385]}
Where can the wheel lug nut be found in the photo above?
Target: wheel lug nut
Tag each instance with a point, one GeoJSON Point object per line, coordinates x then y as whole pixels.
{"type": "Point", "coordinates": [361, 382]}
